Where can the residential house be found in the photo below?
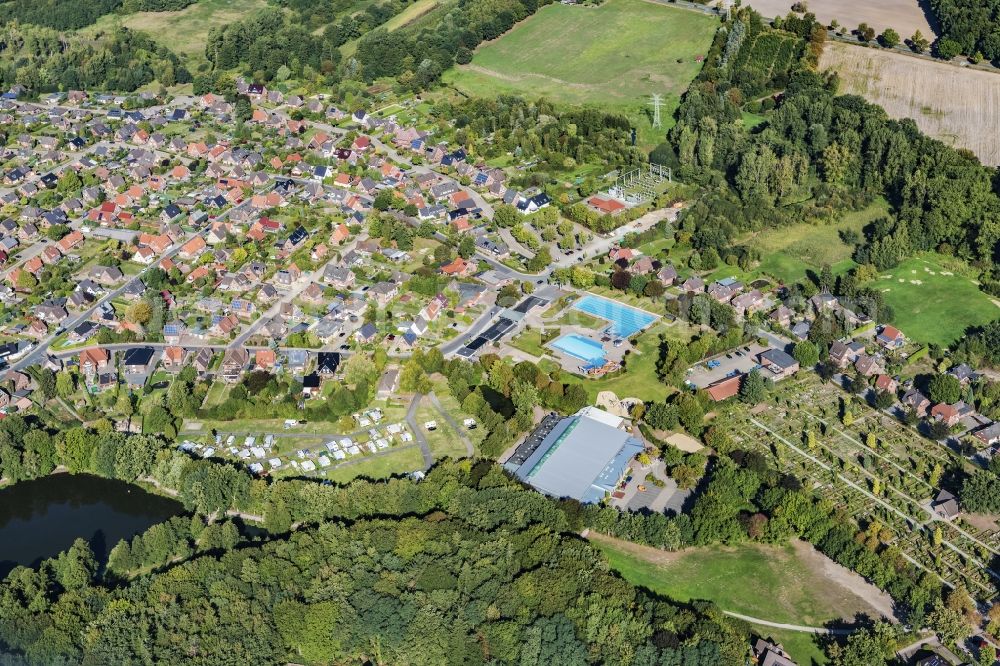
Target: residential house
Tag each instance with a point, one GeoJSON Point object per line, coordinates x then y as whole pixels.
{"type": "Point", "coordinates": [778, 364]}
{"type": "Point", "coordinates": [366, 333]}
{"type": "Point", "coordinates": [106, 275]}
{"type": "Point", "coordinates": [202, 360]}
{"type": "Point", "coordinates": [868, 365]}
{"type": "Point", "coordinates": [887, 384]}
{"type": "Point", "coordinates": [234, 362]}
{"type": "Point", "coordinates": [693, 285]}
{"type": "Point", "coordinates": [327, 363]}
{"type": "Point", "coordinates": [667, 275]}
{"type": "Point", "coordinates": [950, 415]}
{"type": "Point", "coordinates": [265, 359]}
{"type": "Point", "coordinates": [193, 248]}
{"type": "Point", "coordinates": [338, 277]}
{"type": "Point", "coordinates": [843, 354]}
{"type": "Point", "coordinates": [964, 374]}
{"type": "Point", "coordinates": [782, 316]}
{"type": "Point", "coordinates": [388, 384]}
{"type": "Point", "coordinates": [989, 435]}
{"type": "Point", "coordinates": [225, 326]}
{"type": "Point", "coordinates": [748, 303]}
{"type": "Point", "coordinates": [173, 358]}
{"type": "Point", "coordinates": [917, 401]}
{"type": "Point", "coordinates": [384, 292]}
{"type": "Point", "coordinates": [94, 360]}
{"type": "Point", "coordinates": [890, 337]}
{"type": "Point", "coordinates": [458, 267]}
{"type": "Point", "coordinates": [137, 363]}
{"type": "Point", "coordinates": [768, 653]}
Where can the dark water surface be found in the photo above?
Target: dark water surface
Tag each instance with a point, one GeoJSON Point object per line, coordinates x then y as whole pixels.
{"type": "Point", "coordinates": [40, 518]}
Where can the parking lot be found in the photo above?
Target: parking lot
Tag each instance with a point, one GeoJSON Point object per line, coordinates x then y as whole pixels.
{"type": "Point", "coordinates": [734, 362]}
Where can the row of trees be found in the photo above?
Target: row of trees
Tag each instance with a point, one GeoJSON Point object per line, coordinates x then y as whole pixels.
{"type": "Point", "coordinates": [418, 54]}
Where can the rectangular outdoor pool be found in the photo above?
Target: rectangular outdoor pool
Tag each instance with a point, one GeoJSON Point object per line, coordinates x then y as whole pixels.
{"type": "Point", "coordinates": [625, 320]}
{"type": "Point", "coordinates": [582, 348]}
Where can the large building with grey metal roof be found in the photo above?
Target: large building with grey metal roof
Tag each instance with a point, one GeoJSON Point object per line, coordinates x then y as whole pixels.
{"type": "Point", "coordinates": [583, 456]}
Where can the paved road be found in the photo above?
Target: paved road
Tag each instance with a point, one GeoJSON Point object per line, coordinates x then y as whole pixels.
{"type": "Point", "coordinates": [418, 432]}
{"type": "Point", "coordinates": [484, 321]}
{"type": "Point", "coordinates": [193, 345]}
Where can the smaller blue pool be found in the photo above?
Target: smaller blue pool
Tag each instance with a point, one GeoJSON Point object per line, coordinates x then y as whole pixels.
{"type": "Point", "coordinates": [582, 348]}
{"type": "Point", "coordinates": [625, 320]}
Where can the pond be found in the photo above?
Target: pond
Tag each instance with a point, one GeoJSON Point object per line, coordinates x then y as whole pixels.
{"type": "Point", "coordinates": [41, 518]}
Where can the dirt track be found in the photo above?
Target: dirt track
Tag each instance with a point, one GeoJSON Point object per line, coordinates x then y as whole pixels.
{"type": "Point", "coordinates": [903, 16]}
{"type": "Point", "coordinates": [957, 105]}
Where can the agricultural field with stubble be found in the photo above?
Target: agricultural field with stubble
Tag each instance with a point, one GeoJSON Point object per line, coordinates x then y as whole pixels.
{"type": "Point", "coordinates": [614, 56]}
{"type": "Point", "coordinates": [957, 105]}
{"type": "Point", "coordinates": [903, 16]}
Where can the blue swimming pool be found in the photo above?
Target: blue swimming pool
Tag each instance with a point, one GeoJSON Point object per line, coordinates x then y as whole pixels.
{"type": "Point", "coordinates": [625, 321]}
{"type": "Point", "coordinates": [582, 348]}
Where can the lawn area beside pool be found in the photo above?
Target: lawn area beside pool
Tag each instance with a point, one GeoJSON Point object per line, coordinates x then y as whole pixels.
{"type": "Point", "coordinates": [933, 304]}
{"type": "Point", "coordinates": [639, 379]}
{"type": "Point", "coordinates": [787, 584]}
{"type": "Point", "coordinates": [530, 342]}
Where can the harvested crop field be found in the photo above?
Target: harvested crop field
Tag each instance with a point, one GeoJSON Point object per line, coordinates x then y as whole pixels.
{"type": "Point", "coordinates": [958, 105]}
{"type": "Point", "coordinates": [903, 16]}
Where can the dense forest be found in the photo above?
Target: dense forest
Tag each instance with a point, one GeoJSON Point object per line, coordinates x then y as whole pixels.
{"type": "Point", "coordinates": [465, 567]}
{"type": "Point", "coordinates": [557, 138]}
{"type": "Point", "coordinates": [44, 60]}
{"type": "Point", "coordinates": [971, 27]}
{"type": "Point", "coordinates": [57, 14]}
{"type": "Point", "coordinates": [819, 155]}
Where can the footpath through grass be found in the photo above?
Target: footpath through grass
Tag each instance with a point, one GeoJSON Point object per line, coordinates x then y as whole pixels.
{"type": "Point", "coordinates": [614, 56]}
{"type": "Point", "coordinates": [784, 584]}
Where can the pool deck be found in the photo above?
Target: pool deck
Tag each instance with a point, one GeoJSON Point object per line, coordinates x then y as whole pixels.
{"type": "Point", "coordinates": [571, 363]}
{"type": "Point", "coordinates": [568, 362]}
{"type": "Point", "coordinates": [574, 307]}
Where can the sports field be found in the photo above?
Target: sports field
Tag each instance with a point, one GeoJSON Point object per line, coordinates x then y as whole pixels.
{"type": "Point", "coordinates": [932, 303]}
{"type": "Point", "coordinates": [614, 56]}
{"type": "Point", "coordinates": [790, 584]}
